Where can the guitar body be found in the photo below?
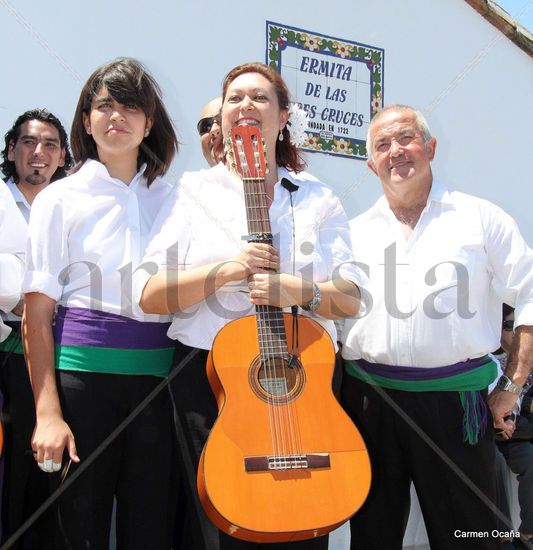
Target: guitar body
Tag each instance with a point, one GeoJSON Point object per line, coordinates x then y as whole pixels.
{"type": "Point", "coordinates": [283, 461]}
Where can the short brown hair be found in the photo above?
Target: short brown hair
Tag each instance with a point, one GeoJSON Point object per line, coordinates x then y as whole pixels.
{"type": "Point", "coordinates": [128, 82]}
{"type": "Point", "coordinates": [287, 155]}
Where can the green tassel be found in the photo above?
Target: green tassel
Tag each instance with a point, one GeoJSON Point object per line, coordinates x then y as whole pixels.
{"type": "Point", "coordinates": [475, 416]}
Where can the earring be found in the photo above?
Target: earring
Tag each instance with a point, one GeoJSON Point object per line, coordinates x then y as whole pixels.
{"type": "Point", "coordinates": [280, 138]}
{"type": "Point", "coordinates": [146, 132]}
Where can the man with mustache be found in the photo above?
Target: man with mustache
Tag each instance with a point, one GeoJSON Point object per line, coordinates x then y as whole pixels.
{"type": "Point", "coordinates": [35, 154]}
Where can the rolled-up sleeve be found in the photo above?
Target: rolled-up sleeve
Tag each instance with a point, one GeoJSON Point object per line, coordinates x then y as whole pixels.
{"type": "Point", "coordinates": [511, 261]}
{"type": "Point", "coordinates": [47, 251]}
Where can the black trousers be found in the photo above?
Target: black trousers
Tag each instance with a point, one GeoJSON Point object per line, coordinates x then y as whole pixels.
{"type": "Point", "coordinates": [195, 413]}
{"type": "Point", "coordinates": [399, 455]}
{"type": "Point", "coordinates": [136, 469]}
{"type": "Point", "coordinates": [25, 486]}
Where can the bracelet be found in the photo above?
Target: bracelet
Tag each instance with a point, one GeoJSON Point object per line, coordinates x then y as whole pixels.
{"type": "Point", "coordinates": [504, 383]}
{"type": "Point", "coordinates": [314, 303]}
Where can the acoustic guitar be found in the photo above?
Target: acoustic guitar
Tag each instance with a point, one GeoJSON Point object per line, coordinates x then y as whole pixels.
{"type": "Point", "coordinates": [283, 461]}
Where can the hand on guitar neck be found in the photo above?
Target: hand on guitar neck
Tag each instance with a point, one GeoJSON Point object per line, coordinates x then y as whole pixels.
{"type": "Point", "coordinates": [257, 258]}
{"type": "Point", "coordinates": [279, 289]}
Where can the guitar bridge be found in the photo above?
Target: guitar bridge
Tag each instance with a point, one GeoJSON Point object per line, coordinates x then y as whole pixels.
{"type": "Point", "coordinates": [286, 462]}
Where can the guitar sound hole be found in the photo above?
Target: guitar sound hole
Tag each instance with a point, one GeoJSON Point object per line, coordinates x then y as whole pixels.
{"type": "Point", "coordinates": [274, 381]}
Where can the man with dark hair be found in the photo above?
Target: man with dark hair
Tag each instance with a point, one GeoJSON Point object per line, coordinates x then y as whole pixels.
{"type": "Point", "coordinates": [35, 154]}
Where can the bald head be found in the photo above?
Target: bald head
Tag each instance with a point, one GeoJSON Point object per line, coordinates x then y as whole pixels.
{"type": "Point", "coordinates": [209, 129]}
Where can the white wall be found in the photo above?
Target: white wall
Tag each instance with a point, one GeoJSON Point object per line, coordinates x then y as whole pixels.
{"type": "Point", "coordinates": [473, 83]}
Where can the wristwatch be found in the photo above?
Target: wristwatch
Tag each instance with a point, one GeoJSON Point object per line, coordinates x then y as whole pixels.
{"type": "Point", "coordinates": [314, 304]}
{"type": "Point", "coordinates": [504, 383]}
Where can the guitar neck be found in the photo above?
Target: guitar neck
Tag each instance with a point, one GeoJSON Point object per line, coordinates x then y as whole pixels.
{"type": "Point", "coordinates": [271, 332]}
{"type": "Point", "coordinates": [246, 156]}
{"type": "Point", "coordinates": [270, 324]}
{"type": "Point", "coordinates": [256, 203]}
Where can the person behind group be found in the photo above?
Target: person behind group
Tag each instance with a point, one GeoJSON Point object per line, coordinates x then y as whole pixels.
{"type": "Point", "coordinates": [209, 130]}
{"type": "Point", "coordinates": [440, 263]}
{"type": "Point", "coordinates": [517, 447]}
{"type": "Point", "coordinates": [210, 139]}
{"type": "Point", "coordinates": [207, 277]}
{"type": "Point", "coordinates": [36, 153]}
{"type": "Point", "coordinates": [101, 358]}
{"type": "Point", "coordinates": [12, 246]}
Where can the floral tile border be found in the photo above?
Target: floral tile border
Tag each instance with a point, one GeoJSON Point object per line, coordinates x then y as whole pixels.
{"type": "Point", "coordinates": [279, 37]}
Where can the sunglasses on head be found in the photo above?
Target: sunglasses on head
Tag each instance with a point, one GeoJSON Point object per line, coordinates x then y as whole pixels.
{"type": "Point", "coordinates": [205, 124]}
{"type": "Point", "coordinates": [508, 325]}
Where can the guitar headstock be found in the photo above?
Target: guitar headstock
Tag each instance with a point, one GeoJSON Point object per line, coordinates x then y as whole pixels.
{"type": "Point", "coordinates": [246, 152]}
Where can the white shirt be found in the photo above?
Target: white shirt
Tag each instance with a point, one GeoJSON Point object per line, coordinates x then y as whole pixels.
{"type": "Point", "coordinates": [12, 245]}
{"type": "Point", "coordinates": [205, 222]}
{"type": "Point", "coordinates": [25, 208]}
{"type": "Point", "coordinates": [88, 234]}
{"type": "Point", "coordinates": [442, 302]}
{"type": "Point", "coordinates": [20, 199]}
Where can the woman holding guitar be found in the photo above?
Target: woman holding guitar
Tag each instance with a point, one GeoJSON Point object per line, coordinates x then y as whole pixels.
{"type": "Point", "coordinates": [215, 265]}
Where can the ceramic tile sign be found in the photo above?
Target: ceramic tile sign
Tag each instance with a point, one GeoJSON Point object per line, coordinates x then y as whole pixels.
{"type": "Point", "coordinates": [338, 82]}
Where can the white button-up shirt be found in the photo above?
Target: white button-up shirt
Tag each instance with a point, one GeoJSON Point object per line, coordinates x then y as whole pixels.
{"type": "Point", "coordinates": [435, 299]}
{"type": "Point", "coordinates": [12, 245]}
{"type": "Point", "coordinates": [20, 199]}
{"type": "Point", "coordinates": [87, 235]}
{"type": "Point", "coordinates": [205, 222]}
{"type": "Point", "coordinates": [25, 209]}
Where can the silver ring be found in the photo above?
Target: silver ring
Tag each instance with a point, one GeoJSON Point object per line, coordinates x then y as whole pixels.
{"type": "Point", "coordinates": [56, 466]}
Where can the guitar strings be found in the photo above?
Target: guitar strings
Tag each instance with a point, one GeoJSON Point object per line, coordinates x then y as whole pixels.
{"type": "Point", "coordinates": [254, 226]}
{"type": "Point", "coordinates": [286, 438]}
{"type": "Point", "coordinates": [267, 336]}
{"type": "Point", "coordinates": [268, 341]}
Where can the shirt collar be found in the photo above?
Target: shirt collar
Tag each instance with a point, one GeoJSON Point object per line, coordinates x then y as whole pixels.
{"type": "Point", "coordinates": [95, 168]}
{"type": "Point", "coordinates": [235, 181]}
{"type": "Point", "coordinates": [283, 173]}
{"type": "Point", "coordinates": [438, 193]}
{"type": "Point", "coordinates": [17, 193]}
